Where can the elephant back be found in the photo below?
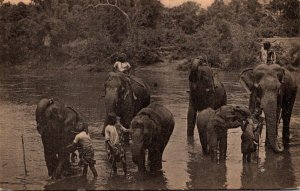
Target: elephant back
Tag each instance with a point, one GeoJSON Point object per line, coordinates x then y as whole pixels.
{"type": "Point", "coordinates": [160, 115]}
{"type": "Point", "coordinates": [140, 89]}
{"type": "Point", "coordinates": [220, 95]}
{"type": "Point", "coordinates": [204, 117]}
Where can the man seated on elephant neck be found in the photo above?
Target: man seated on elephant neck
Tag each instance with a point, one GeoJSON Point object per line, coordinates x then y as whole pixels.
{"type": "Point", "coordinates": [121, 64]}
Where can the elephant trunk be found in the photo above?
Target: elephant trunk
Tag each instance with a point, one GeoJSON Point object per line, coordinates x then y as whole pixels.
{"type": "Point", "coordinates": [111, 100]}
{"type": "Point", "coordinates": [138, 156]}
{"type": "Point", "coordinates": [269, 105]}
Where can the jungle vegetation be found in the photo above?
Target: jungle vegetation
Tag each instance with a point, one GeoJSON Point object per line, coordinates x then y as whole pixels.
{"type": "Point", "coordinates": [91, 32]}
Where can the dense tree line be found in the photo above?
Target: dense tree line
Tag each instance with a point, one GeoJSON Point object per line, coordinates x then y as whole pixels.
{"type": "Point", "coordinates": [92, 31]}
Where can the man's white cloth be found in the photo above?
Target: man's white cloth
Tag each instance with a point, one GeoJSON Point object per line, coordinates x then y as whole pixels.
{"type": "Point", "coordinates": [122, 66]}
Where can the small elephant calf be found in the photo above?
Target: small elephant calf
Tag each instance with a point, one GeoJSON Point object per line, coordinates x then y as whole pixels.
{"type": "Point", "coordinates": [212, 127]}
{"type": "Point", "coordinates": [250, 137]}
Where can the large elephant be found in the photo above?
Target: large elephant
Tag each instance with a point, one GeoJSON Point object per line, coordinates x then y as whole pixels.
{"type": "Point", "coordinates": [273, 90]}
{"type": "Point", "coordinates": [57, 124]}
{"type": "Point", "coordinates": [205, 91]}
{"type": "Point", "coordinates": [125, 95]}
{"type": "Point", "coordinates": [213, 125]}
{"type": "Point", "coordinates": [151, 129]}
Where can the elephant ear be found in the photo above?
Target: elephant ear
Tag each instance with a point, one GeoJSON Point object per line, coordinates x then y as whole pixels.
{"type": "Point", "coordinates": [280, 72]}
{"type": "Point", "coordinates": [244, 111]}
{"type": "Point", "coordinates": [193, 76]}
{"type": "Point", "coordinates": [247, 79]}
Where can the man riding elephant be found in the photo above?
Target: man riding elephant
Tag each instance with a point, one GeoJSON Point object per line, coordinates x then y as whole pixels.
{"type": "Point", "coordinates": [205, 91]}
{"type": "Point", "coordinates": [125, 95]}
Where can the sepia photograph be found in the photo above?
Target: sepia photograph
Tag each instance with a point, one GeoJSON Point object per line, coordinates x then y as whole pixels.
{"type": "Point", "coordinates": [149, 94]}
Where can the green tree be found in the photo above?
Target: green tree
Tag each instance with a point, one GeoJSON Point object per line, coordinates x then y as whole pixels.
{"type": "Point", "coordinates": [291, 17]}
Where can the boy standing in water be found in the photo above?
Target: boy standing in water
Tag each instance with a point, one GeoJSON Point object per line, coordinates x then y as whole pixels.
{"type": "Point", "coordinates": [114, 142]}
{"type": "Point", "coordinates": [83, 143]}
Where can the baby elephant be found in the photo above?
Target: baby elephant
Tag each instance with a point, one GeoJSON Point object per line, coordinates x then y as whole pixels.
{"type": "Point", "coordinates": [250, 137]}
{"type": "Point", "coordinates": [212, 127]}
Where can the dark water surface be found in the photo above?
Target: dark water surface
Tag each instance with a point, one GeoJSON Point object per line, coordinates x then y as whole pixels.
{"type": "Point", "coordinates": [184, 166]}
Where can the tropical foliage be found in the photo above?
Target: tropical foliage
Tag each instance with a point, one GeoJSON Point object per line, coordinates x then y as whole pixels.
{"type": "Point", "coordinates": [91, 32]}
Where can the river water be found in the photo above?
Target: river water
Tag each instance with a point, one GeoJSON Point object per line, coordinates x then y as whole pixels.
{"type": "Point", "coordinates": [184, 166]}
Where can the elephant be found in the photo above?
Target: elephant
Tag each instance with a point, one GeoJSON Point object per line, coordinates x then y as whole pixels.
{"type": "Point", "coordinates": [150, 130]}
{"type": "Point", "coordinates": [57, 125]}
{"type": "Point", "coordinates": [273, 89]}
{"type": "Point", "coordinates": [205, 91]}
{"type": "Point", "coordinates": [250, 138]}
{"type": "Point", "coordinates": [125, 95]}
{"type": "Point", "coordinates": [212, 128]}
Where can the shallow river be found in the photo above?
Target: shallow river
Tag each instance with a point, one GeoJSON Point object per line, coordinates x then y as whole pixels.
{"type": "Point", "coordinates": [184, 166]}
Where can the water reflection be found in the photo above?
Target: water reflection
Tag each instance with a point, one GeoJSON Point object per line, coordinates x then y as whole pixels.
{"type": "Point", "coordinates": [183, 162]}
{"type": "Point", "coordinates": [203, 173]}
{"type": "Point", "coordinates": [137, 181]}
{"type": "Point", "coordinates": [74, 183]}
{"type": "Point", "coordinates": [275, 172]}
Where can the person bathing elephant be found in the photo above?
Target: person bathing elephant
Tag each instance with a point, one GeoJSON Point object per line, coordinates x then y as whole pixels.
{"type": "Point", "coordinates": [205, 91]}
{"type": "Point", "coordinates": [56, 123]}
{"type": "Point", "coordinates": [151, 129]}
{"type": "Point", "coordinates": [212, 127]}
{"type": "Point", "coordinates": [273, 89]}
{"type": "Point", "coordinates": [125, 95]}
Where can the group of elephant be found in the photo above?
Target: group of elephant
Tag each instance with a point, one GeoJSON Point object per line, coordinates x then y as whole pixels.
{"type": "Point", "coordinates": [272, 89]}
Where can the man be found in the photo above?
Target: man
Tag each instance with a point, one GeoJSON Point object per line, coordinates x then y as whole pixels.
{"type": "Point", "coordinates": [114, 142]}
{"type": "Point", "coordinates": [121, 65]}
{"type": "Point", "coordinates": [267, 54]}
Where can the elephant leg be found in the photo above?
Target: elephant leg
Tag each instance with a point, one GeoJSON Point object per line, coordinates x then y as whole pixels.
{"type": "Point", "coordinates": [126, 124]}
{"type": "Point", "coordinates": [50, 156]}
{"type": "Point", "coordinates": [223, 145]}
{"type": "Point", "coordinates": [203, 140]}
{"type": "Point", "coordinates": [63, 158]}
{"type": "Point", "coordinates": [51, 161]}
{"type": "Point", "coordinates": [244, 157]}
{"type": "Point", "coordinates": [192, 114]}
{"type": "Point", "coordinates": [249, 157]}
{"type": "Point", "coordinates": [252, 101]}
{"type": "Point", "coordinates": [212, 139]}
{"type": "Point", "coordinates": [286, 117]}
{"type": "Point", "coordinates": [114, 166]}
{"type": "Point", "coordinates": [84, 171]}
{"type": "Point", "coordinates": [155, 159]}
{"type": "Point", "coordinates": [267, 143]}
{"type": "Point", "coordinates": [123, 160]}
{"type": "Point", "coordinates": [213, 153]}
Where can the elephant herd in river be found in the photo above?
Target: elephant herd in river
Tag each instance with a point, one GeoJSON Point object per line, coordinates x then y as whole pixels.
{"type": "Point", "coordinates": [272, 89]}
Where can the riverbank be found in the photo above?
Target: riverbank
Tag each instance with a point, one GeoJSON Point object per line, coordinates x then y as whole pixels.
{"type": "Point", "coordinates": [282, 46]}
